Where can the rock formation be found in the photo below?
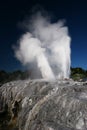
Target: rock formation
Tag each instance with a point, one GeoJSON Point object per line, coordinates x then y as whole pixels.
{"type": "Point", "coordinates": [44, 105]}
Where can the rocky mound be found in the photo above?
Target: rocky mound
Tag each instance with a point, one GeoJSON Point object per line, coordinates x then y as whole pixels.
{"type": "Point", "coordinates": [43, 105]}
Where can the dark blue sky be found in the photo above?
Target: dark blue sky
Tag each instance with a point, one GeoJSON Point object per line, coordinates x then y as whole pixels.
{"type": "Point", "coordinates": [14, 11]}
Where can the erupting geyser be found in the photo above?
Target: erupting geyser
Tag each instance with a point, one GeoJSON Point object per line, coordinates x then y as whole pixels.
{"type": "Point", "coordinates": [47, 45]}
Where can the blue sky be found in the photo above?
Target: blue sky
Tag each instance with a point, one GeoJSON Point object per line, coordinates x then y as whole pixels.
{"type": "Point", "coordinates": [13, 12]}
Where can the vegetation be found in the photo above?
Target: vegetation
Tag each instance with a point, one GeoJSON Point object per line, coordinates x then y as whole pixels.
{"type": "Point", "coordinates": [76, 74]}
{"type": "Point", "coordinates": [11, 76]}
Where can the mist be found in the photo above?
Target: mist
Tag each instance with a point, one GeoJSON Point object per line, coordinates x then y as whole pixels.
{"type": "Point", "coordinates": [46, 47]}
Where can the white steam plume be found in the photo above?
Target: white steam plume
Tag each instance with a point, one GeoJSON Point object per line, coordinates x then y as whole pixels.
{"type": "Point", "coordinates": [49, 45]}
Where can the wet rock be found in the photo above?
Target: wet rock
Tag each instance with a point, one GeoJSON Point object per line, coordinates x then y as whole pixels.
{"type": "Point", "coordinates": [43, 105]}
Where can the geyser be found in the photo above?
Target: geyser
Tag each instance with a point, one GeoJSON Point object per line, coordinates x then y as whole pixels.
{"type": "Point", "coordinates": [47, 45]}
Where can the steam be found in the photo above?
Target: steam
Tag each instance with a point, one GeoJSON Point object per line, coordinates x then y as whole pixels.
{"type": "Point", "coordinates": [47, 45]}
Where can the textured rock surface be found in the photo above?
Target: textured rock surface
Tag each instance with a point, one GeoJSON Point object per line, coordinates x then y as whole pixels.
{"type": "Point", "coordinates": [43, 105]}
